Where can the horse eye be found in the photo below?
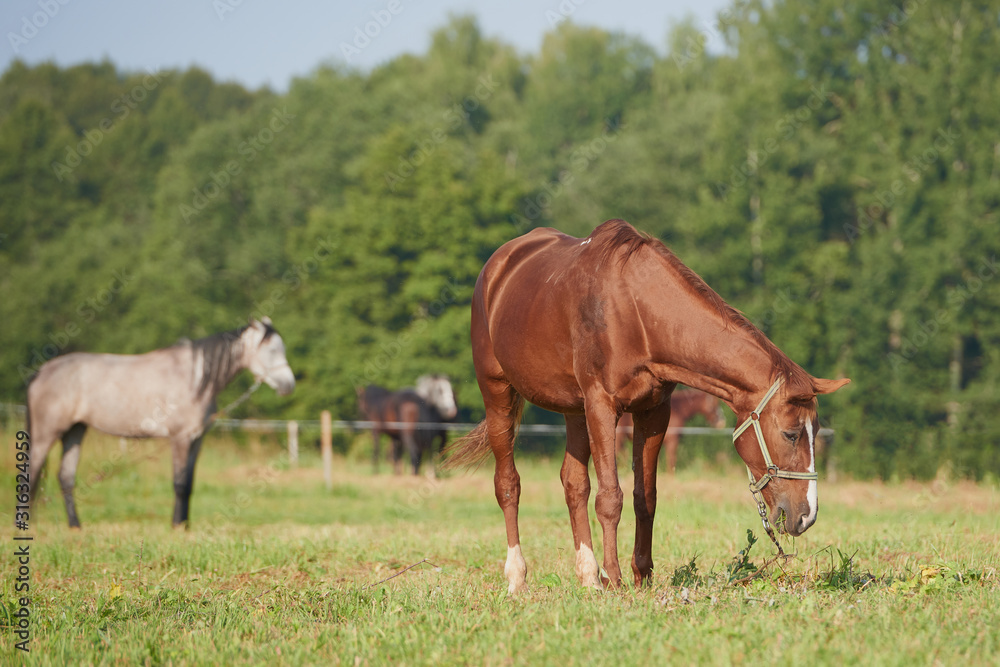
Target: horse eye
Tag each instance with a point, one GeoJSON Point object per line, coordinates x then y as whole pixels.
{"type": "Point", "coordinates": [791, 436]}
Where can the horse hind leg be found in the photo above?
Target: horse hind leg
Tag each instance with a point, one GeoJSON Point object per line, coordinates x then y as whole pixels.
{"type": "Point", "coordinates": [67, 469]}
{"type": "Point", "coordinates": [42, 440]}
{"type": "Point", "coordinates": [397, 455]}
{"type": "Point", "coordinates": [503, 413]}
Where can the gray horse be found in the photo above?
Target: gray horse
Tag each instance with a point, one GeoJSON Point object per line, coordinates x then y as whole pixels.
{"type": "Point", "coordinates": [167, 393]}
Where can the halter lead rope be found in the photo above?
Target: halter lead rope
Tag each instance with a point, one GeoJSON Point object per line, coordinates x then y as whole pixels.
{"type": "Point", "coordinates": [245, 396]}
{"type": "Point", "coordinates": [771, 470]}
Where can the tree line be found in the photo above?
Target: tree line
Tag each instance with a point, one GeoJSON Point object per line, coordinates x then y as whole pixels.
{"type": "Point", "coordinates": [834, 173]}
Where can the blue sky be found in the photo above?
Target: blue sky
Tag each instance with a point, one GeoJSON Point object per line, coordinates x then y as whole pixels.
{"type": "Point", "coordinates": [256, 42]}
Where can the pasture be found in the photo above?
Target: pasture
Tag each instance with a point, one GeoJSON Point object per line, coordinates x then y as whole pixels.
{"type": "Point", "coordinates": [276, 569]}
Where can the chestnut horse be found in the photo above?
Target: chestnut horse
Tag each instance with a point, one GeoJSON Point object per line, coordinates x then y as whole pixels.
{"type": "Point", "coordinates": [596, 327]}
{"type": "Point", "coordinates": [684, 404]}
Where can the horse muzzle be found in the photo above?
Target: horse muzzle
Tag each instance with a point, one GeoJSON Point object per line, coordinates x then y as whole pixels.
{"type": "Point", "coordinates": [282, 380]}
{"type": "Point", "coordinates": [797, 521]}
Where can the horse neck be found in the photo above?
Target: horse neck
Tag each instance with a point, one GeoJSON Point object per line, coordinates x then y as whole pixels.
{"type": "Point", "coordinates": [222, 359]}
{"type": "Point", "coordinates": [711, 352]}
{"type": "Point", "coordinates": [710, 368]}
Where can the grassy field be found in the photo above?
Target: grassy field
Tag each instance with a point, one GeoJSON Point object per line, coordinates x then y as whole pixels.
{"type": "Point", "coordinates": [278, 570]}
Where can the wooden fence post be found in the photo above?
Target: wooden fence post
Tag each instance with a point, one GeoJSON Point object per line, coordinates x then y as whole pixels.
{"type": "Point", "coordinates": [293, 444]}
{"type": "Point", "coordinates": [326, 439]}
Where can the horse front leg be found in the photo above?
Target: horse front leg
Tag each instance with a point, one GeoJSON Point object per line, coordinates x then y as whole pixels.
{"type": "Point", "coordinates": [650, 427]}
{"type": "Point", "coordinates": [576, 487]}
{"type": "Point", "coordinates": [413, 449]}
{"type": "Point", "coordinates": [397, 454]}
{"type": "Point", "coordinates": [601, 419]}
{"type": "Point", "coordinates": [376, 443]}
{"type": "Point", "coordinates": [185, 455]}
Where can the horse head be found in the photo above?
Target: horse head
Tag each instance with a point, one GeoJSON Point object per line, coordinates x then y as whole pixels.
{"type": "Point", "coordinates": [776, 440]}
{"type": "Point", "coordinates": [437, 391]}
{"type": "Point", "coordinates": [265, 356]}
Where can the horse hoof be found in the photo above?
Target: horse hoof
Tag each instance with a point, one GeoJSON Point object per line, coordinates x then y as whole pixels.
{"type": "Point", "coordinates": [517, 590]}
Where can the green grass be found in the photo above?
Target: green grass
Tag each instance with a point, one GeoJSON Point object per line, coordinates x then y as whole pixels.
{"type": "Point", "coordinates": [278, 570]}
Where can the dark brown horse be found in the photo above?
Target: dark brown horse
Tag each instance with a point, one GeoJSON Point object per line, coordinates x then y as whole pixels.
{"type": "Point", "coordinates": [684, 404]}
{"type": "Point", "coordinates": [596, 327]}
{"type": "Point", "coordinates": [403, 416]}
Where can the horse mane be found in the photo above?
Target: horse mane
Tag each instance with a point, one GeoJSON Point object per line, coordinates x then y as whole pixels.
{"type": "Point", "coordinates": [220, 363]}
{"type": "Point", "coordinates": [618, 239]}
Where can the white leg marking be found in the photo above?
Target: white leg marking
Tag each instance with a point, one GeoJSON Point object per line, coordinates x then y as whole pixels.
{"type": "Point", "coordinates": [586, 567]}
{"type": "Point", "coordinates": [516, 570]}
{"type": "Point", "coordinates": [811, 494]}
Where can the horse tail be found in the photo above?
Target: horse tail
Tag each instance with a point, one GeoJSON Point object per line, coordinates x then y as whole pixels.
{"type": "Point", "coordinates": [471, 450]}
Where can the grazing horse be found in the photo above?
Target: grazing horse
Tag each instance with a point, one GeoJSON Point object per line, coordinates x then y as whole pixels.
{"type": "Point", "coordinates": [684, 404]}
{"type": "Point", "coordinates": [596, 327]}
{"type": "Point", "coordinates": [167, 393]}
{"type": "Point", "coordinates": [398, 414]}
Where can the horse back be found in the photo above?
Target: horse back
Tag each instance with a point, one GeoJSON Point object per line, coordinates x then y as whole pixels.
{"type": "Point", "coordinates": [558, 312]}
{"type": "Point", "coordinates": [115, 393]}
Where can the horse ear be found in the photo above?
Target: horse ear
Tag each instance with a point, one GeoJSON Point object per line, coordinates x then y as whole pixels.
{"type": "Point", "coordinates": [823, 386]}
{"type": "Point", "coordinates": [266, 321]}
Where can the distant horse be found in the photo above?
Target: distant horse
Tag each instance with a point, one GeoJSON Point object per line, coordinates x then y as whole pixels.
{"type": "Point", "coordinates": [397, 414]}
{"type": "Point", "coordinates": [596, 327]}
{"type": "Point", "coordinates": [684, 404]}
{"type": "Point", "coordinates": [167, 393]}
